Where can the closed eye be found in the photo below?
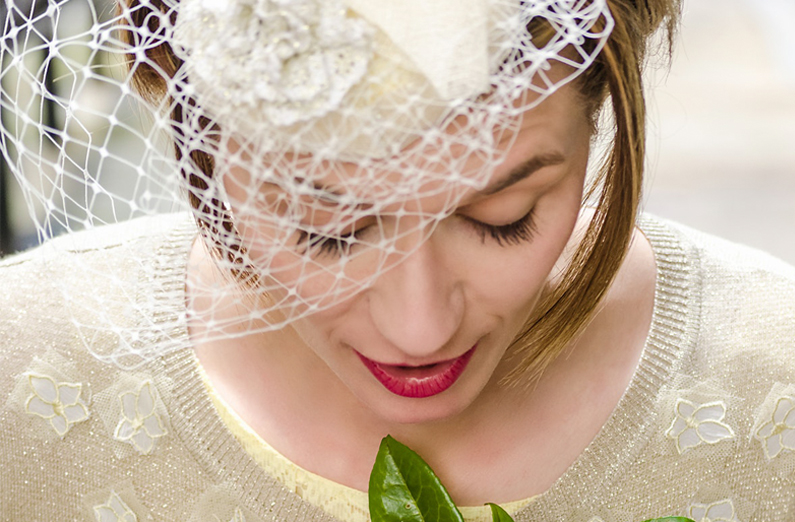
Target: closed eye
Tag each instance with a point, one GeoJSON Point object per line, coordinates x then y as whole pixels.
{"type": "Point", "coordinates": [337, 246]}
{"type": "Point", "coordinates": [520, 231]}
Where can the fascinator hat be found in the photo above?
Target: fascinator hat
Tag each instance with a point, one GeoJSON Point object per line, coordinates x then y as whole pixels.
{"type": "Point", "coordinates": [334, 111]}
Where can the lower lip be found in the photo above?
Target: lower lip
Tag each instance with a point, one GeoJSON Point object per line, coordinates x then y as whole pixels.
{"type": "Point", "coordinates": [418, 382]}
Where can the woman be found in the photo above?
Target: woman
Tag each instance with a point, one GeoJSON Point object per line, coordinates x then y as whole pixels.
{"type": "Point", "coordinates": [391, 242]}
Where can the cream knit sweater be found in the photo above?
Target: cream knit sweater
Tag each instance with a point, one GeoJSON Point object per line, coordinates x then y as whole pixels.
{"type": "Point", "coordinates": [706, 428]}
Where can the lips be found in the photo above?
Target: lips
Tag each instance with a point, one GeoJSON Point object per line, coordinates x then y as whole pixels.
{"type": "Point", "coordinates": [417, 382]}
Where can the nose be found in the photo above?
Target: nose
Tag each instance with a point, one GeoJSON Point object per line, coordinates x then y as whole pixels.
{"type": "Point", "coordinates": [418, 305]}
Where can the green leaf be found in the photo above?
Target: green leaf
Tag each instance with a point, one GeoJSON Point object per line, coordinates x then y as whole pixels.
{"type": "Point", "coordinates": [498, 514]}
{"type": "Point", "coordinates": [671, 519]}
{"type": "Point", "coordinates": [403, 488]}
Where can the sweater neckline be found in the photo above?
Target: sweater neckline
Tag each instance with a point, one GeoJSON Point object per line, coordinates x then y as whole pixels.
{"type": "Point", "coordinates": [672, 334]}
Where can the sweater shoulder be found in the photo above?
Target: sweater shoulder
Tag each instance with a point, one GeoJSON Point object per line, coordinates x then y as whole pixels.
{"type": "Point", "coordinates": [746, 324]}
{"type": "Point", "coordinates": [730, 257]}
{"type": "Point", "coordinates": [78, 433]}
{"type": "Point", "coordinates": [58, 297]}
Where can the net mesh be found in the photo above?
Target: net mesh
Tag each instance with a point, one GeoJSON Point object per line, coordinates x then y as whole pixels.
{"type": "Point", "coordinates": [316, 142]}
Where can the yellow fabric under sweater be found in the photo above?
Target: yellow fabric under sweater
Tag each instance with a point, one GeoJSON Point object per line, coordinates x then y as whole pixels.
{"type": "Point", "coordinates": [342, 502]}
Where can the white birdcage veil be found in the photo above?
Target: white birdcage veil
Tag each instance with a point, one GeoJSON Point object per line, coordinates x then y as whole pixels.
{"type": "Point", "coordinates": [308, 134]}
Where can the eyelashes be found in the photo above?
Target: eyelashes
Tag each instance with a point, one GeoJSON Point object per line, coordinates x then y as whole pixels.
{"type": "Point", "coordinates": [520, 231]}
{"type": "Point", "coordinates": [320, 245]}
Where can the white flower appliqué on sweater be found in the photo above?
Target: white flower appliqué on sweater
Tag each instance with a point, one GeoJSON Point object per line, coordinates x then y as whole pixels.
{"type": "Point", "coordinates": [60, 403]}
{"type": "Point", "coordinates": [778, 434]}
{"type": "Point", "coordinates": [140, 424]}
{"type": "Point", "coordinates": [237, 517]}
{"type": "Point", "coordinates": [114, 510]}
{"type": "Point", "coordinates": [696, 424]}
{"type": "Point", "coordinates": [722, 511]}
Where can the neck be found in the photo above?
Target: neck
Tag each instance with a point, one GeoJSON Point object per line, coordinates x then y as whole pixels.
{"type": "Point", "coordinates": [309, 414]}
{"type": "Point", "coordinates": [290, 397]}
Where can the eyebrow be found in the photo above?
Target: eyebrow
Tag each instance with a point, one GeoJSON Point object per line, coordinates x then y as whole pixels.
{"type": "Point", "coordinates": [323, 192]}
{"type": "Point", "coordinates": [519, 173]}
{"type": "Point", "coordinates": [523, 171]}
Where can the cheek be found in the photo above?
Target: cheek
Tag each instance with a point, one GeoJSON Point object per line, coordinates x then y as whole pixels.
{"type": "Point", "coordinates": [510, 279]}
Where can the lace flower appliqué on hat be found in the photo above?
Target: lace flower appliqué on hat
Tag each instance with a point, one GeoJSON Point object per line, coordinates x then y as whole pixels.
{"type": "Point", "coordinates": [60, 403]}
{"type": "Point", "coordinates": [289, 60]}
{"type": "Point", "coordinates": [140, 424]}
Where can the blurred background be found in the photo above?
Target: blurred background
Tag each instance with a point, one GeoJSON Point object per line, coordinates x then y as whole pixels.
{"type": "Point", "coordinates": [721, 129]}
{"type": "Point", "coordinates": [722, 124]}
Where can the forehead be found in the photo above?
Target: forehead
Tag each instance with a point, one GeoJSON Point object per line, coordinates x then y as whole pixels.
{"type": "Point", "coordinates": [445, 165]}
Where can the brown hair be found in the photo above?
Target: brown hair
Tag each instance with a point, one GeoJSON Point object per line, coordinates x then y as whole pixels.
{"type": "Point", "coordinates": [615, 74]}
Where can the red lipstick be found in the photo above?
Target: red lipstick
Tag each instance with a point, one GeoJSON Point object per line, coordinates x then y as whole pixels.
{"type": "Point", "coordinates": [417, 382]}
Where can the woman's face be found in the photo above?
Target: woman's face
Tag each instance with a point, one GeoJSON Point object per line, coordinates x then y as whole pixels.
{"type": "Point", "coordinates": [429, 338]}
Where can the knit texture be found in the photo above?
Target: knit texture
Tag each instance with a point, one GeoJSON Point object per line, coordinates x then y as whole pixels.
{"type": "Point", "coordinates": [705, 429]}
